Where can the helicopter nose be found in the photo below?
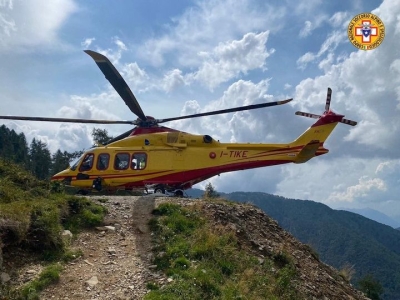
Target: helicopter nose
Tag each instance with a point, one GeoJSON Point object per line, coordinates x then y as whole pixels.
{"type": "Point", "coordinates": [64, 176]}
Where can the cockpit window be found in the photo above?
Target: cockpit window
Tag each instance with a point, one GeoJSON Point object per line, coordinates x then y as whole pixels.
{"type": "Point", "coordinates": [102, 161]}
{"type": "Point", "coordinates": [87, 162]}
{"type": "Point", "coordinates": [121, 161]}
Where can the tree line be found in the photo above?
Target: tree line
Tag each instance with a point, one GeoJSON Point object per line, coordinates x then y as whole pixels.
{"type": "Point", "coordinates": [36, 157]}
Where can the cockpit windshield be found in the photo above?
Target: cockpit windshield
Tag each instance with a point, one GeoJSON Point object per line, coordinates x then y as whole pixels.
{"type": "Point", "coordinates": [75, 162]}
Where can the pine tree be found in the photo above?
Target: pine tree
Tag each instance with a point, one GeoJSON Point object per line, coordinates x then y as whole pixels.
{"type": "Point", "coordinates": [13, 146]}
{"type": "Point", "coordinates": [39, 159]}
{"type": "Point", "coordinates": [22, 151]}
{"type": "Point", "coordinates": [59, 161]}
{"type": "Point", "coordinates": [210, 191]}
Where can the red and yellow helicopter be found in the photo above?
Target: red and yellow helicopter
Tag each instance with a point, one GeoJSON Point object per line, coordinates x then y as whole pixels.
{"type": "Point", "coordinates": [164, 159]}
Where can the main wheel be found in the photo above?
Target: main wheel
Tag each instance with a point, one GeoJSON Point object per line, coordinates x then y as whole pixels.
{"type": "Point", "coordinates": [82, 192]}
{"type": "Point", "coordinates": [159, 191]}
{"type": "Point", "coordinates": [179, 193]}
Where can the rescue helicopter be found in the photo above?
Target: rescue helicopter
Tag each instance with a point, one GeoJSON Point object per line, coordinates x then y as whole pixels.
{"type": "Point", "coordinates": [152, 156]}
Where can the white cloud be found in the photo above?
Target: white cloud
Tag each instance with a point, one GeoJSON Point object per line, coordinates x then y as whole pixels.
{"type": "Point", "coordinates": [248, 126]}
{"type": "Point", "coordinates": [388, 168]}
{"type": "Point", "coordinates": [340, 19]}
{"type": "Point", "coordinates": [94, 107]}
{"type": "Point", "coordinates": [230, 59]}
{"type": "Point", "coordinates": [114, 55]}
{"type": "Point", "coordinates": [360, 190]}
{"type": "Point", "coordinates": [28, 25]}
{"type": "Point", "coordinates": [287, 86]}
{"type": "Point", "coordinates": [364, 87]}
{"type": "Point", "coordinates": [87, 42]}
{"type": "Point", "coordinates": [305, 59]}
{"type": "Point", "coordinates": [305, 7]}
{"type": "Point", "coordinates": [172, 80]}
{"type": "Point", "coordinates": [329, 46]}
{"type": "Point", "coordinates": [306, 30]}
{"type": "Point", "coordinates": [310, 26]}
{"type": "Point", "coordinates": [136, 77]}
{"type": "Point", "coordinates": [203, 26]}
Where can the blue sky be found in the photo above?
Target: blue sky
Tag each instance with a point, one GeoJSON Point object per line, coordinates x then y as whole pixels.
{"type": "Point", "coordinates": [182, 57]}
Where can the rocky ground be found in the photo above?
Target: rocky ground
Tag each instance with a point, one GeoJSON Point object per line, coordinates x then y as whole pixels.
{"type": "Point", "coordinates": [117, 258]}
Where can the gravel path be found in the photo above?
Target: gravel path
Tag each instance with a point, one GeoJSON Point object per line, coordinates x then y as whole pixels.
{"type": "Point", "coordinates": [116, 261]}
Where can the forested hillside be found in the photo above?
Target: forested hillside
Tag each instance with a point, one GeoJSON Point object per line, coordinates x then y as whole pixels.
{"type": "Point", "coordinates": [36, 157]}
{"type": "Point", "coordinates": [341, 238]}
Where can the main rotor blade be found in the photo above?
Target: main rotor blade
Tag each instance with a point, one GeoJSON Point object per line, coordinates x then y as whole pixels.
{"type": "Point", "coordinates": [224, 111]}
{"type": "Point", "coordinates": [116, 80]}
{"type": "Point", "coordinates": [120, 137]}
{"type": "Point", "coordinates": [300, 113]}
{"type": "Point", "coordinates": [349, 122]}
{"type": "Point", "coordinates": [66, 120]}
{"type": "Point", "coordinates": [328, 99]}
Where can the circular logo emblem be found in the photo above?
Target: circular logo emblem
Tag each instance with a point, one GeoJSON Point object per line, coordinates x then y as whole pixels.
{"type": "Point", "coordinates": [366, 31]}
{"type": "Point", "coordinates": [212, 155]}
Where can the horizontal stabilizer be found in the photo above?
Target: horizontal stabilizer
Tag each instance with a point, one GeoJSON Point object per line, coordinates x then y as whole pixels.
{"type": "Point", "coordinates": [307, 152]}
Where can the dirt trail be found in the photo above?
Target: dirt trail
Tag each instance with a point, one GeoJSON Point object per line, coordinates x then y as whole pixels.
{"type": "Point", "coordinates": [116, 259]}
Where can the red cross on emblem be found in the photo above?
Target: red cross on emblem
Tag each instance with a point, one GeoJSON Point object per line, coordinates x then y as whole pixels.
{"type": "Point", "coordinates": [366, 31]}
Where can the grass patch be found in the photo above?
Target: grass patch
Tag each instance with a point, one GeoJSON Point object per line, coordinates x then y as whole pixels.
{"type": "Point", "coordinates": [49, 275]}
{"type": "Point", "coordinates": [206, 261]}
{"type": "Point", "coordinates": [102, 200]}
{"type": "Point", "coordinates": [33, 214]}
{"type": "Point", "coordinates": [347, 272]}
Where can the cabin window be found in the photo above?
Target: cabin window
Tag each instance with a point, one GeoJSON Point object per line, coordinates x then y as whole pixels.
{"type": "Point", "coordinates": [121, 161]}
{"type": "Point", "coordinates": [87, 162]}
{"type": "Point", "coordinates": [102, 161]}
{"type": "Point", "coordinates": [139, 161]}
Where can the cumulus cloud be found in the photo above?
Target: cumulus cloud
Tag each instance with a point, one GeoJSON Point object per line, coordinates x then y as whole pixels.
{"type": "Point", "coordinates": [135, 76]}
{"type": "Point", "coordinates": [360, 190]}
{"type": "Point", "coordinates": [247, 126]}
{"type": "Point", "coordinates": [230, 59]}
{"type": "Point", "coordinates": [114, 55]}
{"type": "Point", "coordinates": [172, 80]}
{"type": "Point", "coordinates": [365, 88]}
{"type": "Point", "coordinates": [28, 25]}
{"type": "Point", "coordinates": [195, 31]}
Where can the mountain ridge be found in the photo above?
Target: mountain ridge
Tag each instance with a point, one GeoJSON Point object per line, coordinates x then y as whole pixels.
{"type": "Point", "coordinates": [374, 215]}
{"type": "Point", "coordinates": [340, 237]}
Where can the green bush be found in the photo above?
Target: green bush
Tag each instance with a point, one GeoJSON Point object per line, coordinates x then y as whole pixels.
{"type": "Point", "coordinates": [371, 287]}
{"type": "Point", "coordinates": [83, 213]}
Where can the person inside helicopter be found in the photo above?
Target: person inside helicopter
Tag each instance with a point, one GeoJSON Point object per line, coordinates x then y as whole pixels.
{"type": "Point", "coordinates": [87, 163]}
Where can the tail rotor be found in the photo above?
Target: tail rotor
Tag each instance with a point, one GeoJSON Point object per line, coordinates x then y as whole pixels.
{"type": "Point", "coordinates": [328, 100]}
{"type": "Point", "coordinates": [329, 115]}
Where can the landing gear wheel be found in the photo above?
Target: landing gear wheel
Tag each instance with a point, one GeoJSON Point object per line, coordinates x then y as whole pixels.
{"type": "Point", "coordinates": [179, 193]}
{"type": "Point", "coordinates": [159, 191]}
{"type": "Point", "coordinates": [82, 192]}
